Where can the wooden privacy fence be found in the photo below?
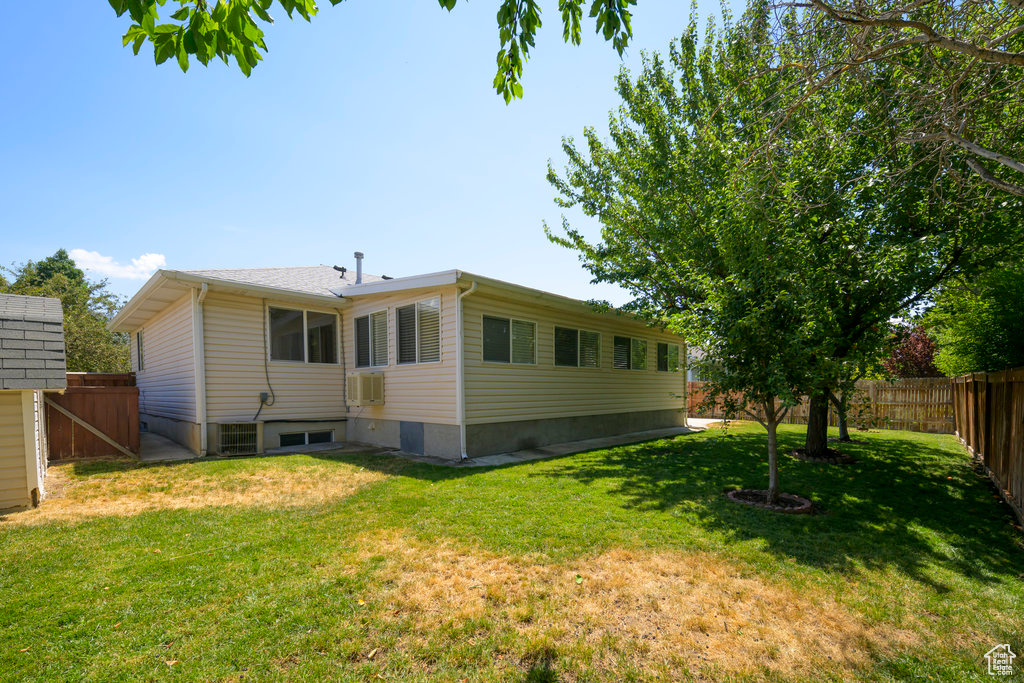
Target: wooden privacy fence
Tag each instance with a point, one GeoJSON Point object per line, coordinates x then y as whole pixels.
{"type": "Point", "coordinates": [989, 410]}
{"type": "Point", "coordinates": [94, 406]}
{"type": "Point", "coordinates": [917, 405]}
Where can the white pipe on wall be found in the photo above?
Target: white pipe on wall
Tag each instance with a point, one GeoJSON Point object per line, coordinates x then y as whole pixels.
{"type": "Point", "coordinates": [199, 358]}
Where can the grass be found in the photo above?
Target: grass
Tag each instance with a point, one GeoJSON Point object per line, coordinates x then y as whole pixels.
{"type": "Point", "coordinates": [623, 564]}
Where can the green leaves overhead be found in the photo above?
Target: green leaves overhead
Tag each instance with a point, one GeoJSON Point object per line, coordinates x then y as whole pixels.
{"type": "Point", "coordinates": [228, 29]}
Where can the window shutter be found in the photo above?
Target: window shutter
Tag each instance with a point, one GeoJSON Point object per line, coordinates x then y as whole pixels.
{"type": "Point", "coordinates": [673, 357]}
{"type": "Point", "coordinates": [379, 320]}
{"type": "Point", "coordinates": [406, 316]}
{"type": "Point", "coordinates": [638, 355]}
{"type": "Point", "coordinates": [621, 353]}
{"type": "Point", "coordinates": [567, 347]}
{"type": "Point", "coordinates": [429, 313]}
{"type": "Point", "coordinates": [362, 342]}
{"type": "Point", "coordinates": [524, 337]}
{"type": "Point", "coordinates": [496, 339]}
{"type": "Point", "coordinates": [590, 349]}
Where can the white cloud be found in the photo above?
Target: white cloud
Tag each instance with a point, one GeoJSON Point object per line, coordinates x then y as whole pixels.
{"type": "Point", "coordinates": [139, 269]}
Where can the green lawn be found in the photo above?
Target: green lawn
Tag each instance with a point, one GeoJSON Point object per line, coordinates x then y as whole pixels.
{"type": "Point", "coordinates": [624, 564]}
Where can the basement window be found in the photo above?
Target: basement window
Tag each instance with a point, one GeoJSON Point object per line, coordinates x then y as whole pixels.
{"type": "Point", "coordinates": [306, 438]}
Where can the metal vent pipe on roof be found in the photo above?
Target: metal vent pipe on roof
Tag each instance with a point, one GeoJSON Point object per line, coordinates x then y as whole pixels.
{"type": "Point", "coordinates": [359, 267]}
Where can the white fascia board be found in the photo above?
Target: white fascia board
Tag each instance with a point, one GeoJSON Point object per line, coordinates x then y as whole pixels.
{"type": "Point", "coordinates": [440, 279]}
{"type": "Point", "coordinates": [216, 284]}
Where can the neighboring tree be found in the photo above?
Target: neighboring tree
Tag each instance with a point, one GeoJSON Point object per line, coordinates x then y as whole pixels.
{"type": "Point", "coordinates": [913, 353]}
{"type": "Point", "coordinates": [229, 29]}
{"type": "Point", "coordinates": [979, 326]}
{"type": "Point", "coordinates": [89, 345]}
{"type": "Point", "coordinates": [951, 73]}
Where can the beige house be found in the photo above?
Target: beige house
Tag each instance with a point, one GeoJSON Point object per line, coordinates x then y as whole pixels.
{"type": "Point", "coordinates": [448, 364]}
{"type": "Point", "coordinates": [32, 362]}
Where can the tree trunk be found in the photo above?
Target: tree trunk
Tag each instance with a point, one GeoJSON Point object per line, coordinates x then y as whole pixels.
{"type": "Point", "coordinates": [771, 424]}
{"type": "Point", "coordinates": [817, 426]}
{"type": "Point", "coordinates": [840, 404]}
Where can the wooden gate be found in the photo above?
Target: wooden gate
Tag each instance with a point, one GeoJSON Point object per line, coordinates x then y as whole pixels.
{"type": "Point", "coordinates": [108, 402]}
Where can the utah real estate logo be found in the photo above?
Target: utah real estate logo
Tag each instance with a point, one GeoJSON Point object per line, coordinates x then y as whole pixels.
{"type": "Point", "coordinates": [1000, 660]}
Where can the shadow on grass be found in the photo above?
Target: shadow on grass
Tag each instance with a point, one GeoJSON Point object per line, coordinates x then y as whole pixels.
{"type": "Point", "coordinates": [907, 502]}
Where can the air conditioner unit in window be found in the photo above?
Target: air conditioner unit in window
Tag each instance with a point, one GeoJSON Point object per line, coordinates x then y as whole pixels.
{"type": "Point", "coordinates": [365, 388]}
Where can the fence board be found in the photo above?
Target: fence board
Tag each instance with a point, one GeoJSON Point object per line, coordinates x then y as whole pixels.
{"type": "Point", "coordinates": [919, 405]}
{"type": "Point", "coordinates": [989, 409]}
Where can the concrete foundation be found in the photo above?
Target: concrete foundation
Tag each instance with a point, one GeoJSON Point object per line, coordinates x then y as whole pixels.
{"type": "Point", "coordinates": [506, 437]}
{"type": "Point", "coordinates": [180, 431]}
{"type": "Point", "coordinates": [439, 440]}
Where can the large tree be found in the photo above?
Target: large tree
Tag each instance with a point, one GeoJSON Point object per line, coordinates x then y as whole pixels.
{"type": "Point", "coordinates": [233, 29]}
{"type": "Point", "coordinates": [89, 345]}
{"type": "Point", "coordinates": [700, 163]}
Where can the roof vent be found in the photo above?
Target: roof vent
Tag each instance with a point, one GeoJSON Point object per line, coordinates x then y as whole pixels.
{"type": "Point", "coordinates": [342, 270]}
{"type": "Point", "coordinates": [359, 267]}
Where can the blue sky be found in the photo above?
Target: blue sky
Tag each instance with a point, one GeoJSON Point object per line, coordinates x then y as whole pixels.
{"type": "Point", "coordinates": [373, 128]}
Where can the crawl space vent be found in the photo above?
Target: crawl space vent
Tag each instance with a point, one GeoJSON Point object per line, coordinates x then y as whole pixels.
{"type": "Point", "coordinates": [238, 439]}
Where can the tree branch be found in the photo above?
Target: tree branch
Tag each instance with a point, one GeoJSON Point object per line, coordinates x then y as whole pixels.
{"type": "Point", "coordinates": [995, 182]}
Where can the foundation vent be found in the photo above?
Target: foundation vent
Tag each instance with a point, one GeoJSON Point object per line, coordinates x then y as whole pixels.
{"type": "Point", "coordinates": [239, 438]}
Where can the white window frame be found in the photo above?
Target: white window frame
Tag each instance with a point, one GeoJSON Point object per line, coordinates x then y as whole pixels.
{"type": "Point", "coordinates": [305, 334]}
{"type": "Point", "coordinates": [416, 332]}
{"type": "Point", "coordinates": [510, 356]}
{"type": "Point", "coordinates": [579, 348]}
{"type": "Point", "coordinates": [369, 326]}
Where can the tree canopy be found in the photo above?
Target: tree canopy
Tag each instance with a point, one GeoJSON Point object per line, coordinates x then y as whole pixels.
{"type": "Point", "coordinates": [979, 323]}
{"type": "Point", "coordinates": [781, 246]}
{"type": "Point", "coordinates": [89, 345]}
{"type": "Point", "coordinates": [233, 29]}
{"type": "Point", "coordinates": [913, 353]}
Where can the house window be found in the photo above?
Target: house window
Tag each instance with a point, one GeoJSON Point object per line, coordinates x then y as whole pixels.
{"type": "Point", "coordinates": [321, 337]}
{"type": "Point", "coordinates": [138, 349]}
{"type": "Point", "coordinates": [372, 340]}
{"type": "Point", "coordinates": [286, 334]}
{"type": "Point", "coordinates": [306, 438]}
{"type": "Point", "coordinates": [507, 340]}
{"type": "Point", "coordinates": [629, 353]}
{"type": "Point", "coordinates": [419, 332]}
{"type": "Point", "coordinates": [303, 336]}
{"type": "Point", "coordinates": [577, 348]}
{"type": "Point", "coordinates": [668, 357]}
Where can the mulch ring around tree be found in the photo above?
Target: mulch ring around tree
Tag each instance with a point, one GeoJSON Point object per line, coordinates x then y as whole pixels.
{"type": "Point", "coordinates": [786, 503]}
{"type": "Point", "coordinates": [833, 457]}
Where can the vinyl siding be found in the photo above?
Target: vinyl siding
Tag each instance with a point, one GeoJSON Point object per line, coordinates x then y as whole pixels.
{"type": "Point", "coordinates": [167, 379]}
{"type": "Point", "coordinates": [233, 337]}
{"type": "Point", "coordinates": [13, 479]}
{"type": "Point", "coordinates": [497, 392]}
{"type": "Point", "coordinates": [418, 392]}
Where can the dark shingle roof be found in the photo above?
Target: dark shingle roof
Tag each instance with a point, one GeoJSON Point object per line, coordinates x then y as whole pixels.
{"type": "Point", "coordinates": [307, 279]}
{"type": "Point", "coordinates": [31, 343]}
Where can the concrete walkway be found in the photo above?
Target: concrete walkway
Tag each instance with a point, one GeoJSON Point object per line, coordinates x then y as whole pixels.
{"type": "Point", "coordinates": [156, 448]}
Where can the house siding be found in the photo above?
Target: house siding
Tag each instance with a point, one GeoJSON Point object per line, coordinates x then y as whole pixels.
{"type": "Point", "coordinates": [498, 392]}
{"type": "Point", "coordinates": [420, 392]}
{"type": "Point", "coordinates": [233, 339]}
{"type": "Point", "coordinates": [13, 476]}
{"type": "Point", "coordinates": [167, 379]}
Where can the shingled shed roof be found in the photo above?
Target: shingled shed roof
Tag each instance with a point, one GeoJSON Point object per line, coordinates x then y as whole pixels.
{"type": "Point", "coordinates": [31, 343]}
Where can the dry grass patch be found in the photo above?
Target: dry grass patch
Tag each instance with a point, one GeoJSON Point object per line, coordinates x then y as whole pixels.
{"type": "Point", "coordinates": [657, 611]}
{"type": "Point", "coordinates": [156, 487]}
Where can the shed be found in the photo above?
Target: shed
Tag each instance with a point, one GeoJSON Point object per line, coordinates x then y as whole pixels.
{"type": "Point", "coordinates": [32, 361]}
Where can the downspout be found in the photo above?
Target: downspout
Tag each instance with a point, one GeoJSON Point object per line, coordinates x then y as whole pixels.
{"type": "Point", "coordinates": [199, 361]}
{"type": "Point", "coordinates": [460, 370]}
